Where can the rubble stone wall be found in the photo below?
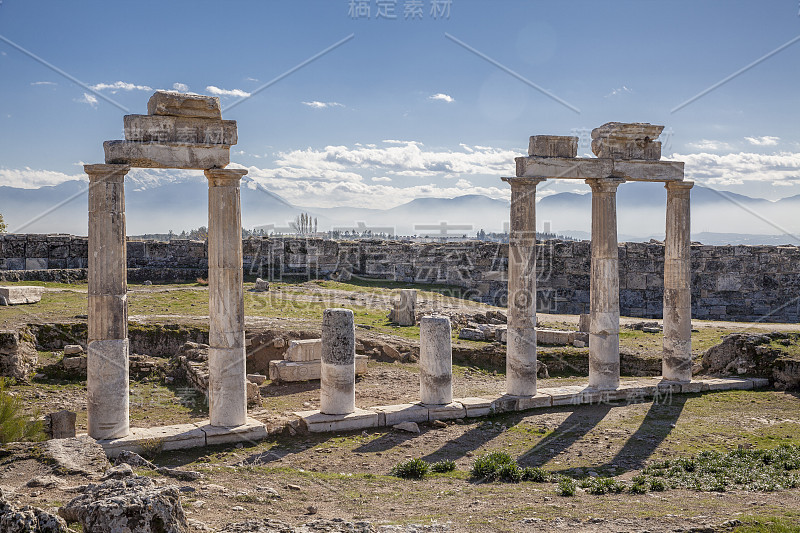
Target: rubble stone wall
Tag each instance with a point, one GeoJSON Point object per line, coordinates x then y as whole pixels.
{"type": "Point", "coordinates": [741, 283]}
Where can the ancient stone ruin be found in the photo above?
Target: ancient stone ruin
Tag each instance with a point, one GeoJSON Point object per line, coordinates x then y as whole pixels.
{"type": "Point", "coordinates": [182, 132]}
{"type": "Point", "coordinates": [625, 152]}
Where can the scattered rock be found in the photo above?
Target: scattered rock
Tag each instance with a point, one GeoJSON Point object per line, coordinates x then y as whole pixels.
{"type": "Point", "coordinates": [134, 504]}
{"type": "Point", "coordinates": [755, 355]}
{"type": "Point", "coordinates": [147, 283]}
{"type": "Point", "coordinates": [118, 472]}
{"type": "Point", "coordinates": [45, 481]}
{"type": "Point", "coordinates": [311, 509]}
{"type": "Point", "coordinates": [76, 455]}
{"type": "Point", "coordinates": [410, 427]}
{"type": "Point", "coordinates": [28, 519]}
{"type": "Point", "coordinates": [73, 349]}
{"type": "Point", "coordinates": [471, 334]}
{"type": "Point", "coordinates": [261, 285]}
{"type": "Point", "coordinates": [62, 424]}
{"type": "Point", "coordinates": [258, 379]}
{"type": "Point", "coordinates": [439, 424]}
{"type": "Point", "coordinates": [18, 355]}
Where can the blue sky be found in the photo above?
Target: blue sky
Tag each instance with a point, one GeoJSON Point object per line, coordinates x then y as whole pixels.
{"type": "Point", "coordinates": [453, 121]}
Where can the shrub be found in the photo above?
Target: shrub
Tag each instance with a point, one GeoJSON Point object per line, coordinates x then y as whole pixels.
{"type": "Point", "coordinates": [443, 466]}
{"type": "Point", "coordinates": [658, 485]}
{"type": "Point", "coordinates": [510, 473]}
{"type": "Point", "coordinates": [537, 475]}
{"type": "Point", "coordinates": [14, 424]}
{"type": "Point", "coordinates": [487, 466]}
{"type": "Point", "coordinates": [603, 485]}
{"type": "Point", "coordinates": [411, 469]}
{"type": "Point", "coordinates": [567, 487]}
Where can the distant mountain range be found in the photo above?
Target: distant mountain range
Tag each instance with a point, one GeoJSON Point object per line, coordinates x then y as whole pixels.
{"type": "Point", "coordinates": [158, 206]}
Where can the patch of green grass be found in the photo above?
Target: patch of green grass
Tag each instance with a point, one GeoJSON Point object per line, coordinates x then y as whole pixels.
{"type": "Point", "coordinates": [602, 485]}
{"type": "Point", "coordinates": [487, 467]}
{"type": "Point", "coordinates": [758, 524]}
{"type": "Point", "coordinates": [411, 469]}
{"type": "Point", "coordinates": [567, 487]}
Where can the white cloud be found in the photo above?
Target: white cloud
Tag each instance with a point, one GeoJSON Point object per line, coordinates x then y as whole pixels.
{"type": "Point", "coordinates": [44, 83]}
{"type": "Point", "coordinates": [88, 99]}
{"type": "Point", "coordinates": [619, 91]}
{"type": "Point", "coordinates": [383, 179]}
{"type": "Point", "coordinates": [120, 86]}
{"type": "Point", "coordinates": [180, 87]}
{"type": "Point", "coordinates": [322, 105]}
{"type": "Point", "coordinates": [708, 144]}
{"type": "Point", "coordinates": [227, 92]}
{"type": "Point", "coordinates": [763, 141]}
{"type": "Point", "coordinates": [28, 178]}
{"type": "Point", "coordinates": [735, 169]}
{"type": "Point", "coordinates": [442, 97]}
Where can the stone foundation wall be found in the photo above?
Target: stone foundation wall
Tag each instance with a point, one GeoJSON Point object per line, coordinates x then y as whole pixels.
{"type": "Point", "coordinates": [728, 282]}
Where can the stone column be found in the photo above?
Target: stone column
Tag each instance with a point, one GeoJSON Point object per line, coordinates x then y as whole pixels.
{"type": "Point", "coordinates": [521, 363]}
{"type": "Point", "coordinates": [435, 360]}
{"type": "Point", "coordinates": [677, 358]}
{"type": "Point", "coordinates": [604, 289]}
{"type": "Point", "coordinates": [405, 310]}
{"type": "Point", "coordinates": [227, 388]}
{"type": "Point", "coordinates": [338, 370]}
{"type": "Point", "coordinates": [107, 359]}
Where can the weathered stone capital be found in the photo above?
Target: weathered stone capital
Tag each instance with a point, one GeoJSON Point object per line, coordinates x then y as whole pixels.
{"type": "Point", "coordinates": [678, 187]}
{"type": "Point", "coordinates": [224, 177]}
{"type": "Point", "coordinates": [524, 182]}
{"type": "Point", "coordinates": [604, 185]}
{"type": "Point", "coordinates": [103, 172]}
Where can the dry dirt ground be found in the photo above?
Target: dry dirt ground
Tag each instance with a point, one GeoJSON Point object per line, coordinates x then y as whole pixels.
{"type": "Point", "coordinates": [346, 475]}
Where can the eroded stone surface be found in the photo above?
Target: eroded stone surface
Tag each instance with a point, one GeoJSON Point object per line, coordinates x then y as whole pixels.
{"type": "Point", "coordinates": [167, 155]}
{"type": "Point", "coordinates": [616, 140]}
{"type": "Point", "coordinates": [19, 294]}
{"type": "Point", "coordinates": [166, 129]}
{"type": "Point", "coordinates": [184, 105]}
{"type": "Point", "coordinates": [553, 146]}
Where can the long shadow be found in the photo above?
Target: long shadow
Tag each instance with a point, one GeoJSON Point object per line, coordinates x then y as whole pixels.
{"type": "Point", "coordinates": [652, 432]}
{"type": "Point", "coordinates": [387, 441]}
{"type": "Point", "coordinates": [473, 439]}
{"type": "Point", "coordinates": [582, 420]}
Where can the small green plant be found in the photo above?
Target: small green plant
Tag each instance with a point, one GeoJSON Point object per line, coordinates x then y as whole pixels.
{"type": "Point", "coordinates": [14, 424]}
{"type": "Point", "coordinates": [602, 485]}
{"type": "Point", "coordinates": [442, 467]}
{"type": "Point", "coordinates": [567, 487]}
{"type": "Point", "coordinates": [152, 447]}
{"type": "Point", "coordinates": [658, 485]}
{"type": "Point", "coordinates": [510, 473]}
{"type": "Point", "coordinates": [411, 469]}
{"type": "Point", "coordinates": [487, 467]}
{"type": "Point", "coordinates": [639, 486]}
{"type": "Point", "coordinates": [535, 474]}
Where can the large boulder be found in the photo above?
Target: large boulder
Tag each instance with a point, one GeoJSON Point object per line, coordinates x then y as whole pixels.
{"type": "Point", "coordinates": [133, 504]}
{"type": "Point", "coordinates": [28, 519]}
{"type": "Point", "coordinates": [773, 356]}
{"type": "Point", "coordinates": [18, 355]}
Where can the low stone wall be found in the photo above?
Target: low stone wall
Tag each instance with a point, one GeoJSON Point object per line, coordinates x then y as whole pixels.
{"type": "Point", "coordinates": [742, 283]}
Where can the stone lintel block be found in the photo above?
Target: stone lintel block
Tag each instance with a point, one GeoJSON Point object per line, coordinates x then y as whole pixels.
{"type": "Point", "coordinates": [476, 406]}
{"type": "Point", "coordinates": [624, 149]}
{"type": "Point", "coordinates": [694, 386]}
{"type": "Point", "coordinates": [317, 422]}
{"type": "Point", "coordinates": [563, 167]}
{"type": "Point", "coordinates": [251, 431]}
{"type": "Point", "coordinates": [649, 170]}
{"type": "Point", "coordinates": [307, 370]}
{"type": "Point", "coordinates": [304, 350]}
{"type": "Point", "coordinates": [759, 383]}
{"type": "Point", "coordinates": [450, 411]}
{"type": "Point", "coordinates": [628, 130]}
{"type": "Point", "coordinates": [553, 146]}
{"type": "Point", "coordinates": [167, 155]}
{"type": "Point", "coordinates": [534, 402]}
{"type": "Point", "coordinates": [184, 105]}
{"type": "Point", "coordinates": [162, 128]}
{"type": "Point", "coordinates": [722, 384]}
{"type": "Point", "coordinates": [20, 294]}
{"type": "Point", "coordinates": [389, 415]}
{"type": "Point", "coordinates": [554, 337]}
{"type": "Point", "coordinates": [176, 437]}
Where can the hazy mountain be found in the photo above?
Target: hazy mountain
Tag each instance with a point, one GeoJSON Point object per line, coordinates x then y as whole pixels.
{"type": "Point", "coordinates": [157, 206]}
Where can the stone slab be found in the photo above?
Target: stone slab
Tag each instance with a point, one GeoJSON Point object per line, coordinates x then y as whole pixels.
{"type": "Point", "coordinates": [554, 337]}
{"type": "Point", "coordinates": [534, 402]}
{"type": "Point", "coordinates": [167, 155]}
{"type": "Point", "coordinates": [591, 168]}
{"type": "Point", "coordinates": [759, 383]}
{"type": "Point", "coordinates": [304, 350]}
{"type": "Point", "coordinates": [251, 431]}
{"type": "Point", "coordinates": [694, 386]}
{"type": "Point", "coordinates": [307, 370]}
{"type": "Point", "coordinates": [317, 422]}
{"type": "Point", "coordinates": [184, 105]}
{"type": "Point", "coordinates": [20, 294]}
{"type": "Point", "coordinates": [476, 406]}
{"type": "Point", "coordinates": [563, 395]}
{"type": "Point", "coordinates": [163, 129]}
{"type": "Point", "coordinates": [450, 411]}
{"type": "Point", "coordinates": [175, 437]}
{"type": "Point", "coordinates": [721, 384]}
{"type": "Point", "coordinates": [553, 146]}
{"type": "Point", "coordinates": [389, 415]}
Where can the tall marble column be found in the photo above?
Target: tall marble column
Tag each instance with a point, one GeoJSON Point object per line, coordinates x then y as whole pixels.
{"type": "Point", "coordinates": [521, 363]}
{"type": "Point", "coordinates": [227, 388]}
{"type": "Point", "coordinates": [677, 356]}
{"type": "Point", "coordinates": [604, 289]}
{"type": "Point", "coordinates": [107, 360]}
